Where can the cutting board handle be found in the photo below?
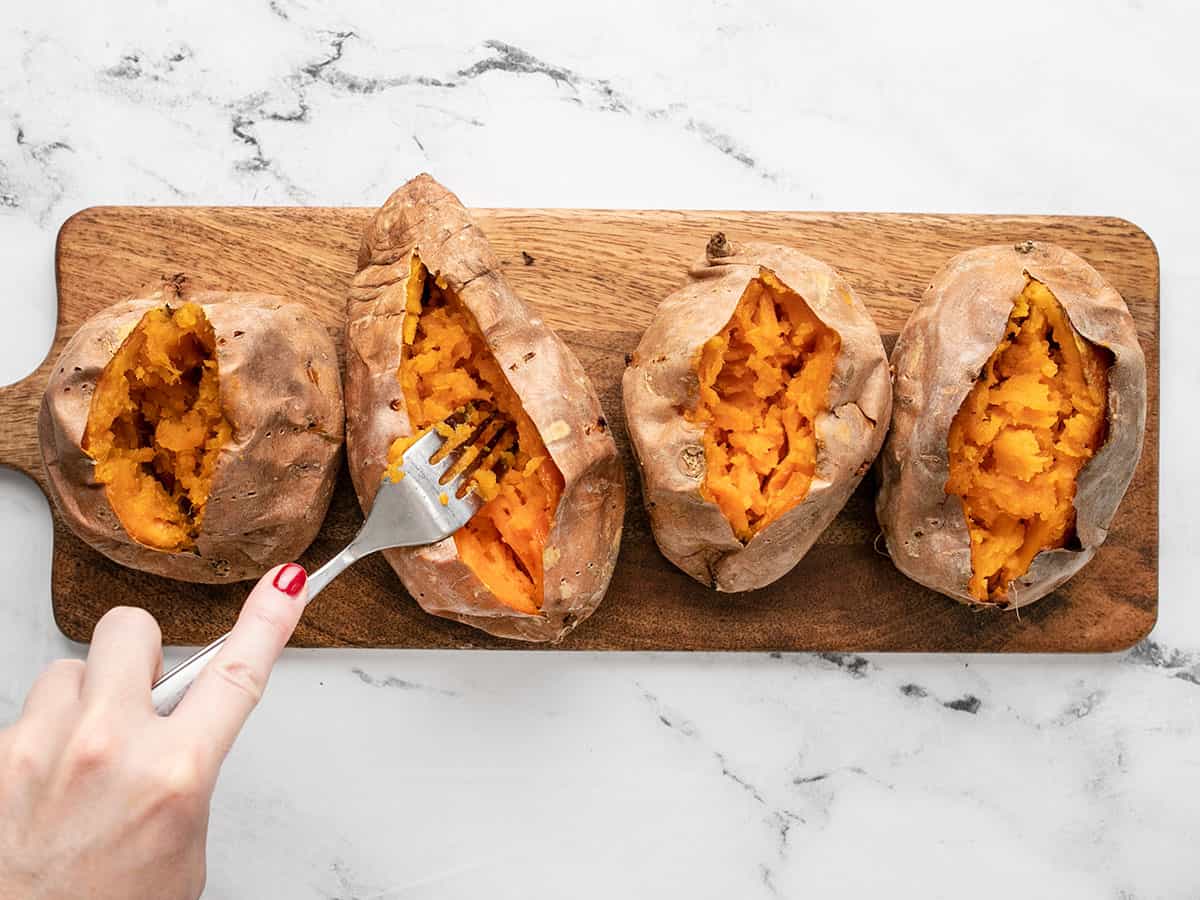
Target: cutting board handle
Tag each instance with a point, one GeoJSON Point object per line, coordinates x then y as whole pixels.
{"type": "Point", "coordinates": [19, 405]}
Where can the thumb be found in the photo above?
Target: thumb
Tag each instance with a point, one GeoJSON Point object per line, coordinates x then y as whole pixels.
{"type": "Point", "coordinates": [229, 687]}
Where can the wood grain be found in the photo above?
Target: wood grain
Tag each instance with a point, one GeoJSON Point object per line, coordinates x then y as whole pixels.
{"type": "Point", "coordinates": [597, 276]}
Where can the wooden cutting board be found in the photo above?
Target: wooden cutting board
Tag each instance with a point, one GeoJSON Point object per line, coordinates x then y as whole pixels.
{"type": "Point", "coordinates": [596, 276]}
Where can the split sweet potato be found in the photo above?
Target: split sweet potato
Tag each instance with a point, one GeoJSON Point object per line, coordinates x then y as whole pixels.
{"type": "Point", "coordinates": [195, 434]}
{"type": "Point", "coordinates": [434, 330]}
{"type": "Point", "coordinates": [1020, 405]}
{"type": "Point", "coordinates": [756, 401]}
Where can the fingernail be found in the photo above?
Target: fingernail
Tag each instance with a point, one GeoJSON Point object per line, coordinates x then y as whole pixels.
{"type": "Point", "coordinates": [291, 579]}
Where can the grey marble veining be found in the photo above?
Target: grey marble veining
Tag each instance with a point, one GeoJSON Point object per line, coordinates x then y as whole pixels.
{"type": "Point", "coordinates": [417, 774]}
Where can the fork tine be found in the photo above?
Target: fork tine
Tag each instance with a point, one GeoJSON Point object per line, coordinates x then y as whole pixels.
{"type": "Point", "coordinates": [500, 436]}
{"type": "Point", "coordinates": [459, 417]}
{"type": "Point", "coordinates": [421, 463]}
{"type": "Point", "coordinates": [472, 440]}
{"type": "Point", "coordinates": [451, 462]}
{"type": "Point", "coordinates": [476, 449]}
{"type": "Point", "coordinates": [423, 451]}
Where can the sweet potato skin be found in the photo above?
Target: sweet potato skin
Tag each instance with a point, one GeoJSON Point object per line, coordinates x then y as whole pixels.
{"type": "Point", "coordinates": [938, 357]}
{"type": "Point", "coordinates": [660, 385]}
{"type": "Point", "coordinates": [424, 218]}
{"type": "Point", "coordinates": [281, 392]}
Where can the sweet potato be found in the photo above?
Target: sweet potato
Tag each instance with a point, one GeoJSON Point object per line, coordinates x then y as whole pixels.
{"type": "Point", "coordinates": [756, 401]}
{"type": "Point", "coordinates": [434, 329]}
{"type": "Point", "coordinates": [1020, 404]}
{"type": "Point", "coordinates": [194, 434]}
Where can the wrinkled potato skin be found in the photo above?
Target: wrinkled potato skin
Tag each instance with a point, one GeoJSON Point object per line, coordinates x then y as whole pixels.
{"type": "Point", "coordinates": [660, 384]}
{"type": "Point", "coordinates": [937, 359]}
{"type": "Point", "coordinates": [423, 217]}
{"type": "Point", "coordinates": [281, 392]}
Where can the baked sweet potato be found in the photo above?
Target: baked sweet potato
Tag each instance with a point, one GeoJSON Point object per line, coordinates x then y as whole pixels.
{"type": "Point", "coordinates": [1020, 403]}
{"type": "Point", "coordinates": [194, 434]}
{"type": "Point", "coordinates": [755, 402]}
{"type": "Point", "coordinates": [434, 329]}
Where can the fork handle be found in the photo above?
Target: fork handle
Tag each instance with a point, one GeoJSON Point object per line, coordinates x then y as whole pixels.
{"type": "Point", "coordinates": [170, 688]}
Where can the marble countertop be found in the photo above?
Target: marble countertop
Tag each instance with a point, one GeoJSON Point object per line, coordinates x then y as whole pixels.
{"type": "Point", "coordinates": [382, 774]}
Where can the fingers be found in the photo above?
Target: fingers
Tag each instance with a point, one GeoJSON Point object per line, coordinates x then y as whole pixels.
{"type": "Point", "coordinates": [33, 744]}
{"type": "Point", "coordinates": [55, 693]}
{"type": "Point", "coordinates": [231, 685]}
{"type": "Point", "coordinates": [124, 659]}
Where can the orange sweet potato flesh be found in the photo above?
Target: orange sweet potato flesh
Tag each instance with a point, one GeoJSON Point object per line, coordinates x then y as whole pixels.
{"type": "Point", "coordinates": [764, 379]}
{"type": "Point", "coordinates": [1035, 416]}
{"type": "Point", "coordinates": [446, 369]}
{"type": "Point", "coordinates": [155, 426]}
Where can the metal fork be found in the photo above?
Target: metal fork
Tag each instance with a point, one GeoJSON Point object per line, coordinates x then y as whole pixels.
{"type": "Point", "coordinates": [418, 509]}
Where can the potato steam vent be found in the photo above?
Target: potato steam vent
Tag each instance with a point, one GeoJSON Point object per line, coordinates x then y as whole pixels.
{"type": "Point", "coordinates": [763, 380]}
{"type": "Point", "coordinates": [155, 427]}
{"type": "Point", "coordinates": [1033, 419]}
{"type": "Point", "coordinates": [446, 368]}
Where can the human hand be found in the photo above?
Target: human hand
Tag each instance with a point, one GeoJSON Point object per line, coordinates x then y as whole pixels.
{"type": "Point", "coordinates": [102, 798]}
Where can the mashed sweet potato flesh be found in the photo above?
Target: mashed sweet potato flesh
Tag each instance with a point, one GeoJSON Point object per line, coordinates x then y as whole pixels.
{"type": "Point", "coordinates": [447, 369]}
{"type": "Point", "coordinates": [764, 379]}
{"type": "Point", "coordinates": [155, 427]}
{"type": "Point", "coordinates": [1034, 418]}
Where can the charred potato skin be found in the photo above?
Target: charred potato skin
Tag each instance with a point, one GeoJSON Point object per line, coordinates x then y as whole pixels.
{"type": "Point", "coordinates": [660, 384]}
{"type": "Point", "coordinates": [938, 357]}
{"type": "Point", "coordinates": [422, 217]}
{"type": "Point", "coordinates": [281, 392]}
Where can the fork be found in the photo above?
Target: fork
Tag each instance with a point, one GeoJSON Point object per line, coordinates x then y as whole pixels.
{"type": "Point", "coordinates": [423, 507]}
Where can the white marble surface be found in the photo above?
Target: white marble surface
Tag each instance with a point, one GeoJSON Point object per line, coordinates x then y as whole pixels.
{"type": "Point", "coordinates": [411, 774]}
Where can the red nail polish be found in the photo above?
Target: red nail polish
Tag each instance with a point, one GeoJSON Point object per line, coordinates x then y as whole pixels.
{"type": "Point", "coordinates": [291, 579]}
